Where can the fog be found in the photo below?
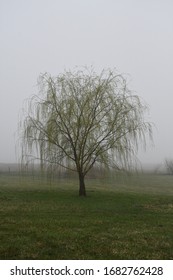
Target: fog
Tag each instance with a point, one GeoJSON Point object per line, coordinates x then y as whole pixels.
{"type": "Point", "coordinates": [133, 36]}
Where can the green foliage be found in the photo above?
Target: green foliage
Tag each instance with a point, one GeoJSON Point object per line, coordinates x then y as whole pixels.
{"type": "Point", "coordinates": [81, 119]}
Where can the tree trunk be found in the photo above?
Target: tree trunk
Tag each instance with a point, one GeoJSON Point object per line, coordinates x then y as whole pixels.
{"type": "Point", "coordinates": [82, 191]}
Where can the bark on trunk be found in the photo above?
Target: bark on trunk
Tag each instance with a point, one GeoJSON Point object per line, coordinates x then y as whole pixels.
{"type": "Point", "coordinates": [82, 191]}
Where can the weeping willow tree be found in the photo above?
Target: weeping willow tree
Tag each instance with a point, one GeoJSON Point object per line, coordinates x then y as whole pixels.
{"type": "Point", "coordinates": [80, 119]}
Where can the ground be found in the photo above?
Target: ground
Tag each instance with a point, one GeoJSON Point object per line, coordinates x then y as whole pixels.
{"type": "Point", "coordinates": [124, 217]}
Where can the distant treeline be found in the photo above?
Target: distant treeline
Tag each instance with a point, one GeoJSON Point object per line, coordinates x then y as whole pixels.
{"type": "Point", "coordinates": [57, 172]}
{"type": "Point", "coordinates": [34, 170]}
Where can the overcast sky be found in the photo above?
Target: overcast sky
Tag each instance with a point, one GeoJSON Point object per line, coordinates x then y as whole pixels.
{"type": "Point", "coordinates": [133, 36]}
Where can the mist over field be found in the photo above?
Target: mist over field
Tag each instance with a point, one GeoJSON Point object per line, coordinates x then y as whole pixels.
{"type": "Point", "coordinates": [135, 37]}
{"type": "Point", "coordinates": [48, 212]}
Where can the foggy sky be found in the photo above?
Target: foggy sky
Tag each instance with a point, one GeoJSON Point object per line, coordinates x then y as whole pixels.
{"type": "Point", "coordinates": [133, 36]}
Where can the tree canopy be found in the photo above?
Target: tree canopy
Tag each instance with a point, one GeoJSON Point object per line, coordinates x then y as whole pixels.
{"type": "Point", "coordinates": [80, 119]}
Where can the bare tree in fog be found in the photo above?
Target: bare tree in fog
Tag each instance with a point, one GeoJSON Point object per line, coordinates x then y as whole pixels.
{"type": "Point", "coordinates": [169, 166]}
{"type": "Point", "coordinates": [81, 119]}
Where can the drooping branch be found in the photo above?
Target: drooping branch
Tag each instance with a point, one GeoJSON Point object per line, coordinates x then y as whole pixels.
{"type": "Point", "coordinates": [81, 119]}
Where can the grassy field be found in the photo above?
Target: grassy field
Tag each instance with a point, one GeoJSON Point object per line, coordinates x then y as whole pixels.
{"type": "Point", "coordinates": [125, 217]}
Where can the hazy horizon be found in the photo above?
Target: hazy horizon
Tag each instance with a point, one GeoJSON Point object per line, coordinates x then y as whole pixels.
{"type": "Point", "coordinates": [135, 37]}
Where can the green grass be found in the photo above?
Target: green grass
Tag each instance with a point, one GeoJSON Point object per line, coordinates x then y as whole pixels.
{"type": "Point", "coordinates": [122, 218]}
